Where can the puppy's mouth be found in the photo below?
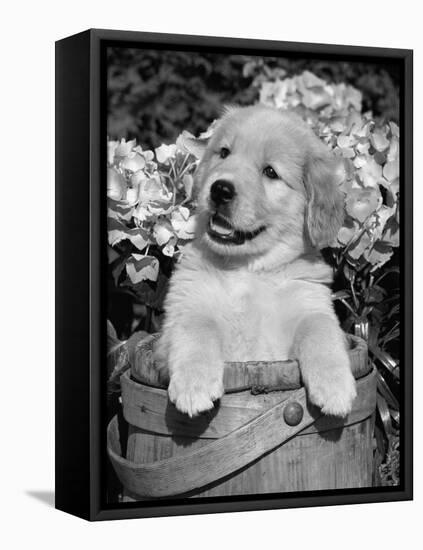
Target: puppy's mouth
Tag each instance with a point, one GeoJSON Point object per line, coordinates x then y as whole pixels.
{"type": "Point", "coordinates": [222, 231]}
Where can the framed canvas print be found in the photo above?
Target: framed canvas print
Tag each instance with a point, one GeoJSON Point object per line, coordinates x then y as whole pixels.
{"type": "Point", "coordinates": [234, 274]}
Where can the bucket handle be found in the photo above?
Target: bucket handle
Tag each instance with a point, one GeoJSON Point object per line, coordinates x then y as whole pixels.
{"type": "Point", "coordinates": [220, 457]}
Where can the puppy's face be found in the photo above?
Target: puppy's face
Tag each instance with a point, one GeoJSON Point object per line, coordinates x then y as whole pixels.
{"type": "Point", "coordinates": [266, 181]}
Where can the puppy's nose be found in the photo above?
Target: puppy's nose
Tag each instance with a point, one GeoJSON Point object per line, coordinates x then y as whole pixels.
{"type": "Point", "coordinates": [222, 192]}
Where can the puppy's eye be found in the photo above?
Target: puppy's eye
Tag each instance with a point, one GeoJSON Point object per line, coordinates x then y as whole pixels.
{"type": "Point", "coordinates": [224, 152]}
{"type": "Point", "coordinates": [270, 173]}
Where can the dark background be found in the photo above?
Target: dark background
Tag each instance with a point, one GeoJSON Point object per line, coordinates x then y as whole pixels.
{"type": "Point", "coordinates": [153, 95]}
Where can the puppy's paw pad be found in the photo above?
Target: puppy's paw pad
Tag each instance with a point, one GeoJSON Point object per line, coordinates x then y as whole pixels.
{"type": "Point", "coordinates": [335, 397]}
{"type": "Point", "coordinates": [339, 405]}
{"type": "Point", "coordinates": [193, 396]}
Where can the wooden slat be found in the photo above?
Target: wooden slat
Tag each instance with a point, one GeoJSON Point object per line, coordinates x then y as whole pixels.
{"type": "Point", "coordinates": [283, 375]}
{"type": "Point", "coordinates": [149, 409]}
{"type": "Point", "coordinates": [338, 459]}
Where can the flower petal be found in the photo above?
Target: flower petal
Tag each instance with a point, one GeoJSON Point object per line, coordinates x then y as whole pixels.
{"type": "Point", "coordinates": [116, 184]}
{"type": "Point", "coordinates": [125, 147]}
{"type": "Point", "coordinates": [165, 152]}
{"type": "Point", "coordinates": [361, 203]}
{"type": "Point", "coordinates": [379, 140]}
{"type": "Point", "coordinates": [391, 170]}
{"type": "Point", "coordinates": [133, 162]}
{"type": "Point", "coordinates": [140, 268]}
{"type": "Point", "coordinates": [111, 148]}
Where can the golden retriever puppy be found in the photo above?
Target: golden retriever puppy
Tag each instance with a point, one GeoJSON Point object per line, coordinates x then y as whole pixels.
{"type": "Point", "coordinates": [252, 285]}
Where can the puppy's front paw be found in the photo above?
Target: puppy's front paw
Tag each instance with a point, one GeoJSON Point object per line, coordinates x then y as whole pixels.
{"type": "Point", "coordinates": [333, 390]}
{"type": "Point", "coordinates": [194, 392]}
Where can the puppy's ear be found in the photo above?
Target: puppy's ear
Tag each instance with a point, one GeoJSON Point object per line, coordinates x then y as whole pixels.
{"type": "Point", "coordinates": [325, 209]}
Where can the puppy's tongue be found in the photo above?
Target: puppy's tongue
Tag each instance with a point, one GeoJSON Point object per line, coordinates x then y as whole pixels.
{"type": "Point", "coordinates": [221, 226]}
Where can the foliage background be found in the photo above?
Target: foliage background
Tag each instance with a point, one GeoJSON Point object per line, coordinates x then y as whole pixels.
{"type": "Point", "coordinates": [154, 95]}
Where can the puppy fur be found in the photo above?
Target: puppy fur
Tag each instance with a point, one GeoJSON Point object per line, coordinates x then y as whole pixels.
{"type": "Point", "coordinates": [267, 298]}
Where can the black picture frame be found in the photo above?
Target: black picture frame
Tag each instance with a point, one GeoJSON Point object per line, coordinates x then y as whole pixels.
{"type": "Point", "coordinates": [80, 259]}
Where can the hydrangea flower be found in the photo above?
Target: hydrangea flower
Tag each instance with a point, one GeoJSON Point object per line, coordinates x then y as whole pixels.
{"type": "Point", "coordinates": [370, 152]}
{"type": "Point", "coordinates": [150, 203]}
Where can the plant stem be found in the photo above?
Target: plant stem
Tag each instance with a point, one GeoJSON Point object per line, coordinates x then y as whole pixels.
{"type": "Point", "coordinates": [347, 305]}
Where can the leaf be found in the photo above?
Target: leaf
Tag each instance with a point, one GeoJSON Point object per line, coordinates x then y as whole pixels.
{"type": "Point", "coordinates": [138, 238]}
{"type": "Point", "coordinates": [119, 211]}
{"type": "Point", "coordinates": [141, 268]}
{"type": "Point", "coordinates": [162, 231]}
{"type": "Point", "coordinates": [169, 248]}
{"type": "Point", "coordinates": [383, 410]}
{"type": "Point", "coordinates": [392, 270]}
{"type": "Point", "coordinates": [379, 254]}
{"type": "Point", "coordinates": [118, 232]}
{"type": "Point", "coordinates": [381, 219]}
{"type": "Point", "coordinates": [112, 254]}
{"type": "Point", "coordinates": [373, 294]}
{"type": "Point", "coordinates": [379, 158]}
{"type": "Point", "coordinates": [183, 223]}
{"type": "Point", "coordinates": [117, 267]}
{"type": "Point", "coordinates": [390, 365]}
{"type": "Point", "coordinates": [359, 246]}
{"type": "Point", "coordinates": [112, 339]}
{"type": "Point", "coordinates": [152, 293]}
{"type": "Point", "coordinates": [391, 234]}
{"type": "Point", "coordinates": [340, 295]}
{"type": "Point", "coordinates": [392, 194]}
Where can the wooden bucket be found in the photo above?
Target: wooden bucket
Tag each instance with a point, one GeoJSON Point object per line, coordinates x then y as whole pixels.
{"type": "Point", "coordinates": [262, 437]}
